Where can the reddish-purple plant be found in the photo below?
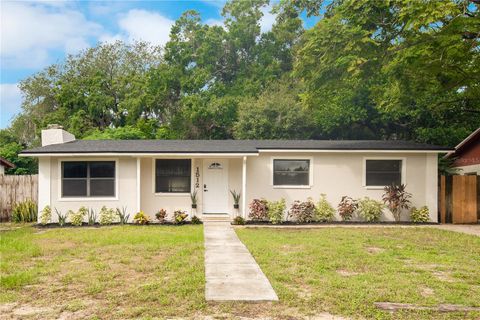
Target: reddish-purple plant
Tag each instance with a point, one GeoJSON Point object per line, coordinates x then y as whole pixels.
{"type": "Point", "coordinates": [258, 210]}
{"type": "Point", "coordinates": [396, 198]}
{"type": "Point", "coordinates": [302, 211]}
{"type": "Point", "coordinates": [347, 207]}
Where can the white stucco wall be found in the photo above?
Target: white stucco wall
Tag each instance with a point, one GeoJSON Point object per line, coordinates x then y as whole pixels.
{"type": "Point", "coordinates": [2, 170]}
{"type": "Point", "coordinates": [335, 174]}
{"type": "Point", "coordinates": [50, 187]}
{"type": "Point", "coordinates": [342, 174]}
{"type": "Point", "coordinates": [471, 169]}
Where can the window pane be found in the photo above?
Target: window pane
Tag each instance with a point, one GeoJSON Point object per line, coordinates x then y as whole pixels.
{"type": "Point", "coordinates": [102, 187]}
{"type": "Point", "coordinates": [291, 172]}
{"type": "Point", "coordinates": [290, 178]}
{"type": "Point", "coordinates": [102, 169]}
{"type": "Point", "coordinates": [74, 187]}
{"type": "Point", "coordinates": [383, 172]}
{"type": "Point", "coordinates": [172, 175]}
{"type": "Point", "coordinates": [173, 184]}
{"type": "Point", "coordinates": [74, 169]}
{"type": "Point", "coordinates": [291, 165]}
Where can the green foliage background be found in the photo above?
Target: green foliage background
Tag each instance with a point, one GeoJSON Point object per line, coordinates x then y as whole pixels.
{"type": "Point", "coordinates": [392, 69]}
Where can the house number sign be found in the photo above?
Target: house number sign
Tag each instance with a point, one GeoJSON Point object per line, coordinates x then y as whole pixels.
{"type": "Point", "coordinates": [197, 178]}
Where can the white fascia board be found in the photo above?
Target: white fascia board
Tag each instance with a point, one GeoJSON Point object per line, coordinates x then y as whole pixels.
{"type": "Point", "coordinates": [141, 155]}
{"type": "Point", "coordinates": [346, 151]}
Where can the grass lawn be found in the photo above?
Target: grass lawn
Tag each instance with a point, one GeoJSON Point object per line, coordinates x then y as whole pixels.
{"type": "Point", "coordinates": [108, 272]}
{"type": "Point", "coordinates": [150, 272]}
{"type": "Point", "coordinates": [345, 270]}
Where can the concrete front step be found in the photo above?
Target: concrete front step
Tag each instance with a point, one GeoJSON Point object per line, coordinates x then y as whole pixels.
{"type": "Point", "coordinates": [217, 217]}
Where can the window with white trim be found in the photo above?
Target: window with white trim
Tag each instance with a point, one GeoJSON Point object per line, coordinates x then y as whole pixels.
{"type": "Point", "coordinates": [379, 173]}
{"type": "Point", "coordinates": [291, 172]}
{"type": "Point", "coordinates": [88, 178]}
{"type": "Point", "coordinates": [173, 175]}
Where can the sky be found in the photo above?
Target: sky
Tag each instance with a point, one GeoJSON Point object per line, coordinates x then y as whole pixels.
{"type": "Point", "coordinates": [36, 34]}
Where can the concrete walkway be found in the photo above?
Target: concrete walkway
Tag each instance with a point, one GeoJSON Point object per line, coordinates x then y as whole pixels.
{"type": "Point", "coordinates": [231, 272]}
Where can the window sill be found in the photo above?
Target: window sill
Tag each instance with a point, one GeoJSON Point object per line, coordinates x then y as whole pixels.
{"type": "Point", "coordinates": [172, 194]}
{"type": "Point", "coordinates": [88, 199]}
{"type": "Point", "coordinates": [374, 187]}
{"type": "Point", "coordinates": [292, 187]}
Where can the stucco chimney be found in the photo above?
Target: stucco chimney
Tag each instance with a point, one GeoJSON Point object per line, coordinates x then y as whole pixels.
{"type": "Point", "coordinates": [54, 134]}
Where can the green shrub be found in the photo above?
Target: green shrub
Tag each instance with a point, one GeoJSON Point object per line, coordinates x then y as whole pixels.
{"type": "Point", "coordinates": [141, 218]}
{"type": "Point", "coordinates": [196, 220]}
{"type": "Point", "coordinates": [420, 215]}
{"type": "Point", "coordinates": [92, 217]}
{"type": "Point", "coordinates": [371, 210]}
{"type": "Point", "coordinates": [238, 220]}
{"type": "Point", "coordinates": [46, 215]}
{"type": "Point", "coordinates": [179, 216]}
{"type": "Point", "coordinates": [76, 218]}
{"type": "Point", "coordinates": [302, 211]}
{"type": "Point", "coordinates": [397, 199]}
{"type": "Point", "coordinates": [62, 218]}
{"type": "Point", "coordinates": [276, 210]}
{"type": "Point", "coordinates": [25, 211]}
{"type": "Point", "coordinates": [258, 210]}
{"type": "Point", "coordinates": [323, 210]}
{"type": "Point", "coordinates": [347, 208]}
{"type": "Point", "coordinates": [106, 216]}
{"type": "Point", "coordinates": [122, 215]}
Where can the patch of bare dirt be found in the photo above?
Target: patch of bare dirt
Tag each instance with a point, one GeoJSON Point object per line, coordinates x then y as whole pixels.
{"type": "Point", "coordinates": [374, 250]}
{"type": "Point", "coordinates": [426, 292]}
{"type": "Point", "coordinates": [443, 276]}
{"type": "Point", "coordinates": [28, 310]}
{"type": "Point", "coordinates": [347, 273]}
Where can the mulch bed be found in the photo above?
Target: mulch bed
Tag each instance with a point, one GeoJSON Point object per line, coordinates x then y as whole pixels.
{"type": "Point", "coordinates": [355, 223]}
{"type": "Point", "coordinates": [97, 225]}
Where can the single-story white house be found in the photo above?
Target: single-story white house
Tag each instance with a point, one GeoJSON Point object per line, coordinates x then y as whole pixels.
{"type": "Point", "coordinates": [149, 175]}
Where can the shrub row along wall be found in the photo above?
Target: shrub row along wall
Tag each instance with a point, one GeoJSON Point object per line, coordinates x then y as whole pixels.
{"type": "Point", "coordinates": [15, 189]}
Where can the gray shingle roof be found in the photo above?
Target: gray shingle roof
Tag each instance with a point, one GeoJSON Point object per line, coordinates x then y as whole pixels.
{"type": "Point", "coordinates": [224, 146]}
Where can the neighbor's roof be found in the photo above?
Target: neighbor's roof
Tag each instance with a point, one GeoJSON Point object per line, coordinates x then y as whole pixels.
{"type": "Point", "coordinates": [473, 138]}
{"type": "Point", "coordinates": [225, 146]}
{"type": "Point", "coordinates": [7, 164]}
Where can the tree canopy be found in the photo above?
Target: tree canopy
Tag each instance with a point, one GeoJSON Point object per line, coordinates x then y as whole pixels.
{"type": "Point", "coordinates": [393, 69]}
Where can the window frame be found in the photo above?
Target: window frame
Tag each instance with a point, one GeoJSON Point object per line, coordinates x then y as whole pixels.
{"type": "Point", "coordinates": [87, 198]}
{"type": "Point", "coordinates": [172, 194]}
{"type": "Point", "coordinates": [403, 171]}
{"type": "Point", "coordinates": [292, 158]}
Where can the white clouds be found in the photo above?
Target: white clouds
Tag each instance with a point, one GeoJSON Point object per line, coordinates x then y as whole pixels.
{"type": "Point", "coordinates": [10, 102]}
{"type": "Point", "coordinates": [145, 25]}
{"type": "Point", "coordinates": [215, 22]}
{"type": "Point", "coordinates": [30, 30]}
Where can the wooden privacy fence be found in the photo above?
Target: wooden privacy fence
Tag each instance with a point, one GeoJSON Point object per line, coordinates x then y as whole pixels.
{"type": "Point", "coordinates": [459, 199]}
{"type": "Point", "coordinates": [15, 189]}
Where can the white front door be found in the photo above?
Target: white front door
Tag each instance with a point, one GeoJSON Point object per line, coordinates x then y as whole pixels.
{"type": "Point", "coordinates": [215, 186]}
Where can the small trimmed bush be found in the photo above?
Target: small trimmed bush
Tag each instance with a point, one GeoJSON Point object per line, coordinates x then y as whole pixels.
{"type": "Point", "coordinates": [238, 220]}
{"type": "Point", "coordinates": [25, 211]}
{"type": "Point", "coordinates": [371, 210]}
{"type": "Point", "coordinates": [161, 215]}
{"type": "Point", "coordinates": [179, 216]}
{"type": "Point", "coordinates": [302, 211]}
{"type": "Point", "coordinates": [196, 220]}
{"type": "Point", "coordinates": [324, 211]}
{"type": "Point", "coordinates": [76, 218]}
{"type": "Point", "coordinates": [141, 218]}
{"type": "Point", "coordinates": [420, 215]}
{"type": "Point", "coordinates": [276, 210]}
{"type": "Point", "coordinates": [347, 208]}
{"type": "Point", "coordinates": [106, 216]}
{"type": "Point", "coordinates": [46, 215]}
{"type": "Point", "coordinates": [258, 210]}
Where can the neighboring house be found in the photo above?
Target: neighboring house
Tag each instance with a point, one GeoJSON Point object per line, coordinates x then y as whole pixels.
{"type": "Point", "coordinates": [4, 165]}
{"type": "Point", "coordinates": [467, 154]}
{"type": "Point", "coordinates": [152, 174]}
